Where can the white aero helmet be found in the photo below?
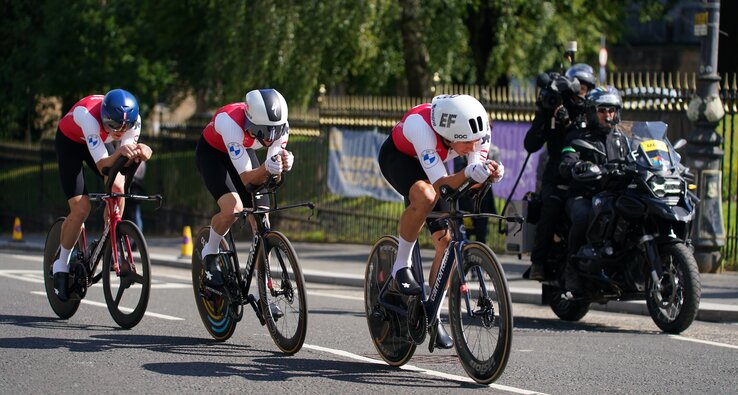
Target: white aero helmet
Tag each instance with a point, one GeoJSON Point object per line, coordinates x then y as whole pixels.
{"type": "Point", "coordinates": [266, 114]}
{"type": "Point", "coordinates": [459, 117]}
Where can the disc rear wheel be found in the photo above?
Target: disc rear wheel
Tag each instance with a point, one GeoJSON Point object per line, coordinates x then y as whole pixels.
{"type": "Point", "coordinates": [388, 330]}
{"type": "Point", "coordinates": [63, 310]}
{"type": "Point", "coordinates": [216, 313]}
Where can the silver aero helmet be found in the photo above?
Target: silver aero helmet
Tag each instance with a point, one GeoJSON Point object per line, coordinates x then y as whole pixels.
{"type": "Point", "coordinates": [266, 115]}
{"type": "Point", "coordinates": [459, 118]}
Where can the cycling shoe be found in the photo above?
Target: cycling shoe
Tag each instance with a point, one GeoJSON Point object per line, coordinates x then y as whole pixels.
{"type": "Point", "coordinates": [405, 283]}
{"type": "Point", "coordinates": [61, 286]}
{"type": "Point", "coordinates": [443, 339]}
{"type": "Point", "coordinates": [213, 276]}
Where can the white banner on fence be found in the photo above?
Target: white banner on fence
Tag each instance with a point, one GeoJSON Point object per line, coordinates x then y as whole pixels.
{"type": "Point", "coordinates": [353, 170]}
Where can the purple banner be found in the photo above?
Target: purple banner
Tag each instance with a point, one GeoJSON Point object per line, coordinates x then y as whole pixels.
{"type": "Point", "coordinates": [508, 137]}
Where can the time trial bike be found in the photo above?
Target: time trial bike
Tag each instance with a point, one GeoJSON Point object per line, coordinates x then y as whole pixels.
{"type": "Point", "coordinates": [273, 260]}
{"type": "Point", "coordinates": [125, 269]}
{"type": "Point", "coordinates": [480, 306]}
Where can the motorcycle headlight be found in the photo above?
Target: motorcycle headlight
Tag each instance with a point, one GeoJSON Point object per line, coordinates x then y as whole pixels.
{"type": "Point", "coordinates": [664, 186]}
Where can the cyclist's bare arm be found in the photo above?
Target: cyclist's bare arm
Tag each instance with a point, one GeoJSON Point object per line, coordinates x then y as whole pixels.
{"type": "Point", "coordinates": [257, 176]}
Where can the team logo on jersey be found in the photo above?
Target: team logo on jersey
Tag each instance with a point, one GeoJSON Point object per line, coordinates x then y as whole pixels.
{"type": "Point", "coordinates": [235, 150]}
{"type": "Point", "coordinates": [93, 141]}
{"type": "Point", "coordinates": [429, 158]}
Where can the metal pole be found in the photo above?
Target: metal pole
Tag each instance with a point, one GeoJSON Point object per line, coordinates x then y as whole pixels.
{"type": "Point", "coordinates": [703, 153]}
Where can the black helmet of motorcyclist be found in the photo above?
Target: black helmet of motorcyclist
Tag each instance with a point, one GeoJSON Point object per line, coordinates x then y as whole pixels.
{"type": "Point", "coordinates": [584, 75]}
{"type": "Point", "coordinates": [603, 109]}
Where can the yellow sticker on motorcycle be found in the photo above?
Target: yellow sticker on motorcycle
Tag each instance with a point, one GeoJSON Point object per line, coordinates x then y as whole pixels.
{"type": "Point", "coordinates": [654, 145]}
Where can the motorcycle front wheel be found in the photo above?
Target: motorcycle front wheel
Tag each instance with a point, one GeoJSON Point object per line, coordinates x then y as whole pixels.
{"type": "Point", "coordinates": [674, 306]}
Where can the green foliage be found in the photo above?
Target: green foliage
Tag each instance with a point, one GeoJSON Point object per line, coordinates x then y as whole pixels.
{"type": "Point", "coordinates": [163, 50]}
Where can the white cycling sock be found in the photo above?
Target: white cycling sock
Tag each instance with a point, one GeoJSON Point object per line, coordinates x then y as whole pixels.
{"type": "Point", "coordinates": [213, 244]}
{"type": "Point", "coordinates": [62, 264]}
{"type": "Point", "coordinates": [404, 251]}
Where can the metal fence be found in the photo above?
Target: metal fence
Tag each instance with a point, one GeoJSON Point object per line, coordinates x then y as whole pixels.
{"type": "Point", "coordinates": [29, 178]}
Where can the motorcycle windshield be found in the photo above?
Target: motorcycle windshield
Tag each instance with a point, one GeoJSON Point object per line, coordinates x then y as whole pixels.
{"type": "Point", "coordinates": [650, 147]}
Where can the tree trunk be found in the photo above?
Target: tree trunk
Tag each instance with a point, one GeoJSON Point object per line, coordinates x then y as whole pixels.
{"type": "Point", "coordinates": [416, 52]}
{"type": "Point", "coordinates": [481, 21]}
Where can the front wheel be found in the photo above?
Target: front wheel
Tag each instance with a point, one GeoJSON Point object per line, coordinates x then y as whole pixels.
{"type": "Point", "coordinates": [388, 330]}
{"type": "Point", "coordinates": [281, 284]}
{"type": "Point", "coordinates": [483, 334]}
{"type": "Point", "coordinates": [675, 305]}
{"type": "Point", "coordinates": [215, 310]}
{"type": "Point", "coordinates": [127, 290]}
{"type": "Point", "coordinates": [63, 310]}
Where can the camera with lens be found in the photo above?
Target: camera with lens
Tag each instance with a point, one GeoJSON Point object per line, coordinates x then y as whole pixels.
{"type": "Point", "coordinates": [554, 87]}
{"type": "Point", "coordinates": [549, 96]}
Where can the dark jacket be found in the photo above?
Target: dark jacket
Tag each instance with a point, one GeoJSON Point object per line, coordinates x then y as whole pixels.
{"type": "Point", "coordinates": [614, 144]}
{"type": "Point", "coordinates": [541, 133]}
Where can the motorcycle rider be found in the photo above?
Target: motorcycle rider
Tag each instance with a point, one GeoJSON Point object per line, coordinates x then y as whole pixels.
{"type": "Point", "coordinates": [602, 109]}
{"type": "Point", "coordinates": [550, 126]}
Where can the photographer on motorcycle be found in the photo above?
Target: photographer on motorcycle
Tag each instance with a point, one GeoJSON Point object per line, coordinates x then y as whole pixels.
{"type": "Point", "coordinates": [559, 108]}
{"type": "Point", "coordinates": [602, 109]}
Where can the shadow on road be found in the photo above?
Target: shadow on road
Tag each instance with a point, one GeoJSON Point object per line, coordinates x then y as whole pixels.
{"type": "Point", "coordinates": [557, 325]}
{"type": "Point", "coordinates": [282, 368]}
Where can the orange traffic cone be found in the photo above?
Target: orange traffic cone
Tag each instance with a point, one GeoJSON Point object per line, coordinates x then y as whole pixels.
{"type": "Point", "coordinates": [186, 242]}
{"type": "Point", "coordinates": [17, 232]}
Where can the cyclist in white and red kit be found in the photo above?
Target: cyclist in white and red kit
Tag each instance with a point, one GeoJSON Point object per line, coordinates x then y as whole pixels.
{"type": "Point", "coordinates": [412, 160]}
{"type": "Point", "coordinates": [81, 137]}
{"type": "Point", "coordinates": [227, 163]}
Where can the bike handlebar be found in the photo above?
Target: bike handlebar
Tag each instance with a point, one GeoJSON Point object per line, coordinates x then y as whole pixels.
{"type": "Point", "coordinates": [102, 196]}
{"type": "Point", "coordinates": [467, 188]}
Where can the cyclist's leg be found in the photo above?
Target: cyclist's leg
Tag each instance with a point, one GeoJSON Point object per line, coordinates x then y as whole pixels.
{"type": "Point", "coordinates": [70, 157]}
{"type": "Point", "coordinates": [214, 167]}
{"type": "Point", "coordinates": [408, 178]}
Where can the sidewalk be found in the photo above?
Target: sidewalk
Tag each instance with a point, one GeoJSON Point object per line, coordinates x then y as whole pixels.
{"type": "Point", "coordinates": [343, 264]}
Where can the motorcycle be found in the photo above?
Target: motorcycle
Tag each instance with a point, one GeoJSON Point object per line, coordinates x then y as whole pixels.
{"type": "Point", "coordinates": [638, 244]}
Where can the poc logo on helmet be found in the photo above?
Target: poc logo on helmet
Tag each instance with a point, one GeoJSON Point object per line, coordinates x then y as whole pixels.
{"type": "Point", "coordinates": [460, 136]}
{"type": "Point", "coordinates": [447, 120]}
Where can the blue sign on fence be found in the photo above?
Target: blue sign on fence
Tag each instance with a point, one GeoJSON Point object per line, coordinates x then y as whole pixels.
{"type": "Point", "coordinates": [353, 169]}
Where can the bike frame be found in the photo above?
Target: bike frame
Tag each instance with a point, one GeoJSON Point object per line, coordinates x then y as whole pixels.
{"type": "Point", "coordinates": [451, 259]}
{"type": "Point", "coordinates": [257, 247]}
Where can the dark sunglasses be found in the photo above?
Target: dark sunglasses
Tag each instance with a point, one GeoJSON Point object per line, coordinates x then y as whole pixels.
{"type": "Point", "coordinates": [119, 126]}
{"type": "Point", "coordinates": [607, 110]}
{"type": "Point", "coordinates": [265, 132]}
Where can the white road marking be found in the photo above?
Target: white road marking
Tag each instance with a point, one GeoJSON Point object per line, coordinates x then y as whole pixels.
{"type": "Point", "coordinates": [35, 276]}
{"type": "Point", "coordinates": [329, 295]}
{"type": "Point", "coordinates": [26, 257]}
{"type": "Point", "coordinates": [124, 309]}
{"type": "Point", "coordinates": [413, 368]}
{"type": "Point", "coordinates": [711, 343]}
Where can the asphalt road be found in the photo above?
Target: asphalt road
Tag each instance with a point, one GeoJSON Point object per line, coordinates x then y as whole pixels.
{"type": "Point", "coordinates": [170, 351]}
